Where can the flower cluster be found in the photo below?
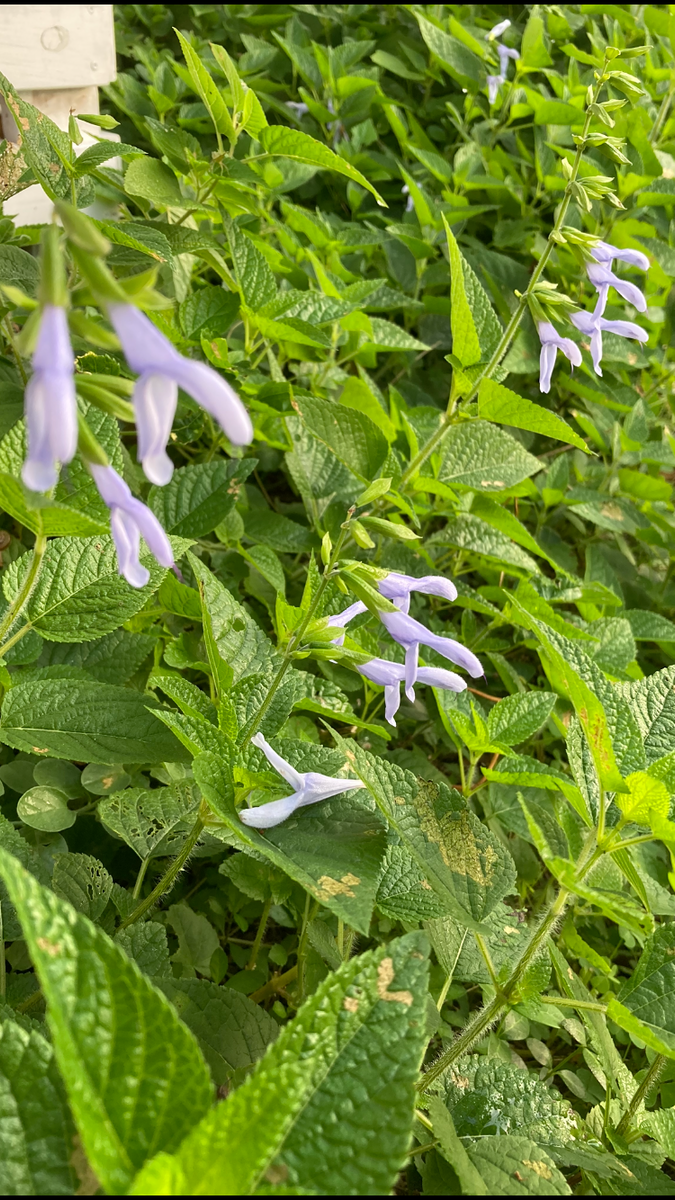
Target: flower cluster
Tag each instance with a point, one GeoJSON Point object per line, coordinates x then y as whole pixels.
{"type": "Point", "coordinates": [494, 82]}
{"type": "Point", "coordinates": [410, 635]}
{"type": "Point", "coordinates": [594, 324]}
{"type": "Point", "coordinates": [52, 422]}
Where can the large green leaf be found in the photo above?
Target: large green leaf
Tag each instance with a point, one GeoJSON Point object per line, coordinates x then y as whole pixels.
{"type": "Point", "coordinates": [465, 344]}
{"type": "Point", "coordinates": [341, 1073]}
{"type": "Point", "coordinates": [467, 866]}
{"type": "Point", "coordinates": [79, 594]}
{"type": "Point", "coordinates": [518, 717]}
{"type": "Point", "coordinates": [352, 436]}
{"type": "Point", "coordinates": [110, 659]}
{"type": "Point", "coordinates": [647, 995]}
{"type": "Point", "coordinates": [86, 721]}
{"type": "Point", "coordinates": [239, 640]}
{"type": "Point", "coordinates": [492, 1097]}
{"type": "Point", "coordinates": [516, 1166]}
{"type": "Point", "coordinates": [200, 496]}
{"type": "Point", "coordinates": [458, 60]}
{"type": "Point", "coordinates": [36, 1123]}
{"type": "Point", "coordinates": [333, 849]}
{"type": "Point", "coordinates": [136, 1080]}
{"type": "Point", "coordinates": [652, 704]}
{"type": "Point", "coordinates": [481, 456]}
{"type": "Point", "coordinates": [279, 140]}
{"type": "Point", "coordinates": [154, 822]}
{"type": "Point", "coordinates": [498, 403]}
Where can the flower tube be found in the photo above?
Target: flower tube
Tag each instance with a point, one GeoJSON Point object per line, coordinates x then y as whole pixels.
{"type": "Point", "coordinates": [51, 407]}
{"type": "Point", "coordinates": [551, 342]}
{"type": "Point", "coordinates": [309, 787]}
{"type": "Point", "coordinates": [130, 520]}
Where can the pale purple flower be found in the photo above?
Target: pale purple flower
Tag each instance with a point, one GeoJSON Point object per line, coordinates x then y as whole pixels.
{"type": "Point", "coordinates": [411, 634]}
{"type": "Point", "coordinates": [160, 366]}
{"type": "Point", "coordinates": [51, 407]}
{"type": "Point", "coordinates": [409, 204]}
{"type": "Point", "coordinates": [594, 324]}
{"type": "Point", "coordinates": [397, 588]}
{"type": "Point", "coordinates": [497, 30]}
{"type": "Point", "coordinates": [308, 788]}
{"type": "Point", "coordinates": [505, 53]}
{"type": "Point", "coordinates": [390, 675]}
{"type": "Point", "coordinates": [297, 107]}
{"type": "Point", "coordinates": [551, 342]}
{"type": "Point", "coordinates": [605, 253]}
{"type": "Point", "coordinates": [494, 83]}
{"type": "Point", "coordinates": [603, 278]}
{"type": "Point", "coordinates": [343, 618]}
{"type": "Point", "coordinates": [130, 520]}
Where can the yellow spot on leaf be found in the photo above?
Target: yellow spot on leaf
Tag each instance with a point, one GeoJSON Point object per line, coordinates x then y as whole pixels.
{"type": "Point", "coordinates": [385, 976]}
{"type": "Point", "coordinates": [612, 511]}
{"type": "Point", "coordinates": [337, 887]}
{"type": "Point", "coordinates": [540, 1168]}
{"type": "Point", "coordinates": [53, 949]}
{"type": "Point", "coordinates": [351, 1004]}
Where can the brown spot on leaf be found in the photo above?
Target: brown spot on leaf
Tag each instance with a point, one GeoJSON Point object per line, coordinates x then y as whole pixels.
{"type": "Point", "coordinates": [385, 976]}
{"type": "Point", "coordinates": [612, 511]}
{"type": "Point", "coordinates": [53, 949]}
{"type": "Point", "coordinates": [40, 749]}
{"type": "Point", "coordinates": [89, 1184]}
{"type": "Point", "coordinates": [337, 887]}
{"type": "Point", "coordinates": [277, 1173]}
{"type": "Point", "coordinates": [539, 1168]}
{"type": "Point", "coordinates": [351, 1004]}
{"type": "Point", "coordinates": [517, 1175]}
{"type": "Point", "coordinates": [426, 885]}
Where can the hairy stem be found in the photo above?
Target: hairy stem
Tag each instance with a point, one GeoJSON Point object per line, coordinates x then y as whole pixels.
{"type": "Point", "coordinates": [169, 876]}
{"type": "Point", "coordinates": [17, 357]}
{"type": "Point", "coordinates": [262, 926]}
{"type": "Point", "coordinates": [651, 1078]}
{"type": "Point", "coordinates": [508, 334]}
{"type": "Point", "coordinates": [23, 595]}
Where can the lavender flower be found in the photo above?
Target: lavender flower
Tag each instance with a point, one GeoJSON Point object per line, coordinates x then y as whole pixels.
{"type": "Point", "coordinates": [411, 634]}
{"type": "Point", "coordinates": [603, 278]}
{"type": "Point", "coordinates": [409, 204]}
{"type": "Point", "coordinates": [297, 107]}
{"type": "Point", "coordinates": [391, 675]}
{"type": "Point", "coordinates": [160, 366]}
{"type": "Point", "coordinates": [505, 53]}
{"type": "Point", "coordinates": [308, 788]}
{"type": "Point", "coordinates": [604, 253]}
{"type": "Point", "coordinates": [594, 324]}
{"type": "Point", "coordinates": [494, 83]}
{"type": "Point", "coordinates": [497, 30]}
{"type": "Point", "coordinates": [343, 618]}
{"type": "Point", "coordinates": [551, 342]}
{"type": "Point", "coordinates": [397, 588]}
{"type": "Point", "coordinates": [51, 408]}
{"type": "Point", "coordinates": [129, 520]}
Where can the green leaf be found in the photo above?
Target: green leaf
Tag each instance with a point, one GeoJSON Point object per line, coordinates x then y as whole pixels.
{"type": "Point", "coordinates": [646, 995]}
{"type": "Point", "coordinates": [453, 1150]}
{"type": "Point", "coordinates": [280, 141]}
{"type": "Point", "coordinates": [498, 403]}
{"type": "Point", "coordinates": [529, 772]}
{"type": "Point", "coordinates": [471, 533]}
{"type": "Point", "coordinates": [255, 279]}
{"type": "Point", "coordinates": [459, 62]}
{"type": "Point", "coordinates": [533, 47]}
{"type": "Point", "coordinates": [352, 436]}
{"type": "Point", "coordinates": [79, 594]}
{"type": "Point", "coordinates": [153, 822]}
{"type": "Point", "coordinates": [45, 148]}
{"type": "Point", "coordinates": [208, 312]}
{"type": "Point", "coordinates": [232, 1031]}
{"type": "Point", "coordinates": [289, 329]}
{"type": "Point", "coordinates": [189, 698]}
{"type": "Point", "coordinates": [152, 180]}
{"type": "Point", "coordinates": [94, 156]}
{"type": "Point", "coordinates": [110, 659]}
{"type": "Point", "coordinates": [333, 849]}
{"type": "Point", "coordinates": [200, 496]}
{"type": "Point", "coordinates": [135, 1086]}
{"type": "Point", "coordinates": [197, 939]}
{"type": "Point", "coordinates": [403, 893]}
{"type": "Point", "coordinates": [19, 269]}
{"type": "Point", "coordinates": [466, 865]}
{"type": "Point", "coordinates": [36, 1150]}
{"type": "Point", "coordinates": [386, 335]}
{"type": "Point", "coordinates": [457, 950]}
{"type": "Point", "coordinates": [652, 704]}
{"type": "Point", "coordinates": [516, 1166]}
{"type": "Point", "coordinates": [465, 343]}
{"type": "Point", "coordinates": [517, 718]}
{"type": "Point", "coordinates": [84, 882]}
{"type": "Point", "coordinates": [278, 532]}
{"type": "Point", "coordinates": [146, 944]}
{"type": "Point", "coordinates": [239, 640]}
{"type": "Point", "coordinates": [348, 1062]}
{"type": "Point", "coordinates": [487, 1097]}
{"type": "Point", "coordinates": [479, 456]}
{"type": "Point", "coordinates": [90, 722]}
{"type": "Point", "coordinates": [45, 808]}
{"type": "Point", "coordinates": [206, 89]}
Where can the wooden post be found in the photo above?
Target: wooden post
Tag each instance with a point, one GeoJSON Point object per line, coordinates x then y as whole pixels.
{"type": "Point", "coordinates": [56, 56]}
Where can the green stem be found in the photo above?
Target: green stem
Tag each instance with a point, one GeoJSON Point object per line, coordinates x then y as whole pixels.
{"type": "Point", "coordinates": [15, 352]}
{"type": "Point", "coordinates": [311, 910]}
{"type": "Point", "coordinates": [169, 876]}
{"type": "Point", "coordinates": [566, 1002]}
{"type": "Point", "coordinates": [262, 926]}
{"type": "Point", "coordinates": [505, 340]}
{"type": "Point", "coordinates": [3, 976]}
{"type": "Point", "coordinates": [23, 595]}
{"type": "Point", "coordinates": [297, 637]}
{"type": "Point", "coordinates": [341, 937]}
{"type": "Point", "coordinates": [651, 1078]}
{"type": "Point", "coordinates": [139, 878]}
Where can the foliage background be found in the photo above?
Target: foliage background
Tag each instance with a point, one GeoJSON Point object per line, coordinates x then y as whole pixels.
{"type": "Point", "coordinates": [340, 320]}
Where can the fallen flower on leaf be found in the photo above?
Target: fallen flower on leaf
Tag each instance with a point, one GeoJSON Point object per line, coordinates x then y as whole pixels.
{"type": "Point", "coordinates": [309, 787]}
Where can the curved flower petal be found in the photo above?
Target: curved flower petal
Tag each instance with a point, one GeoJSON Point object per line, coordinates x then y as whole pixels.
{"type": "Point", "coordinates": [497, 30]}
{"type": "Point", "coordinates": [155, 398]}
{"type": "Point", "coordinates": [627, 329]}
{"type": "Point", "coordinates": [494, 83]}
{"type": "Point", "coordinates": [129, 520]}
{"type": "Point", "coordinates": [546, 365]}
{"type": "Point", "coordinates": [287, 772]}
{"type": "Point", "coordinates": [392, 702]}
{"type": "Point", "coordinates": [408, 632]}
{"type": "Point", "coordinates": [603, 252]}
{"type": "Point", "coordinates": [50, 403]}
{"type": "Point", "coordinates": [601, 276]}
{"type": "Point", "coordinates": [397, 588]}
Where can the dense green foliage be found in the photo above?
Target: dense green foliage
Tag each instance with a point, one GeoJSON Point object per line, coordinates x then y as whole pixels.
{"type": "Point", "coordinates": [459, 977]}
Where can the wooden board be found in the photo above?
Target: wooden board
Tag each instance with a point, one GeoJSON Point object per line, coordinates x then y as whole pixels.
{"type": "Point", "coordinates": [48, 46]}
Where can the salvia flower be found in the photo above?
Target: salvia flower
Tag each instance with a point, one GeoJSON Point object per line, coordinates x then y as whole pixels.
{"type": "Point", "coordinates": [551, 342]}
{"type": "Point", "coordinates": [51, 407]}
{"type": "Point", "coordinates": [130, 520]}
{"type": "Point", "coordinates": [409, 204]}
{"type": "Point", "coordinates": [494, 83]}
{"type": "Point", "coordinates": [390, 675]}
{"type": "Point", "coordinates": [162, 371]}
{"type": "Point", "coordinates": [309, 787]}
{"type": "Point", "coordinates": [397, 588]}
{"type": "Point", "coordinates": [505, 53]}
{"type": "Point", "coordinates": [594, 325]}
{"type": "Point", "coordinates": [297, 107]}
{"type": "Point", "coordinates": [411, 634]}
{"type": "Point", "coordinates": [497, 30]}
{"type": "Point", "coordinates": [605, 253]}
{"type": "Point", "coordinates": [602, 278]}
